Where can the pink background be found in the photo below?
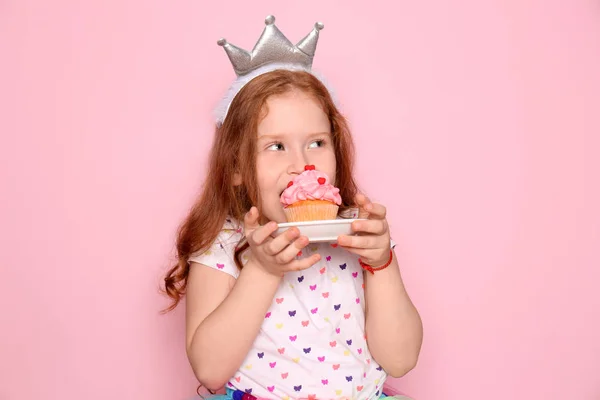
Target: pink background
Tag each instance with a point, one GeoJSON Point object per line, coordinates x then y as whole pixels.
{"type": "Point", "coordinates": [478, 126]}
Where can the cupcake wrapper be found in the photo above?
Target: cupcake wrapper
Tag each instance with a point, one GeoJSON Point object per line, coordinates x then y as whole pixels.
{"type": "Point", "coordinates": [311, 212]}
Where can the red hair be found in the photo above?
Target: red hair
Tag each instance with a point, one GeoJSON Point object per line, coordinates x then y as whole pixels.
{"type": "Point", "coordinates": [233, 151]}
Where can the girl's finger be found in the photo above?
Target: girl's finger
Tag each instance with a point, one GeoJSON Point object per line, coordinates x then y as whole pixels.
{"type": "Point", "coordinates": [282, 241]}
{"type": "Point", "coordinates": [251, 221]}
{"type": "Point", "coordinates": [361, 242]}
{"type": "Point", "coordinates": [376, 211]}
{"type": "Point", "coordinates": [368, 209]}
{"type": "Point", "coordinates": [362, 201]}
{"type": "Point", "coordinates": [374, 226]}
{"type": "Point", "coordinates": [262, 234]}
{"type": "Point", "coordinates": [366, 254]}
{"type": "Point", "coordinates": [290, 252]}
{"type": "Point", "coordinates": [305, 263]}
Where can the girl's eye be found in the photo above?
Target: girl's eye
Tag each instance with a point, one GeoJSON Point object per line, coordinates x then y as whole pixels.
{"type": "Point", "coordinates": [318, 143]}
{"type": "Point", "coordinates": [276, 146]}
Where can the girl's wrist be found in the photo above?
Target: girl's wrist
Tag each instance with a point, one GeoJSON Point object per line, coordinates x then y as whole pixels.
{"type": "Point", "coordinates": [261, 272]}
{"type": "Point", "coordinates": [378, 265]}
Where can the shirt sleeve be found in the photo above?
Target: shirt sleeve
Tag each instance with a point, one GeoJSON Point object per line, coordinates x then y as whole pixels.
{"type": "Point", "coordinates": [220, 255]}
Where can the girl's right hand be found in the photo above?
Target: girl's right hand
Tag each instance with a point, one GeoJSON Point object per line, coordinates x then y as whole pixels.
{"type": "Point", "coordinates": [275, 255]}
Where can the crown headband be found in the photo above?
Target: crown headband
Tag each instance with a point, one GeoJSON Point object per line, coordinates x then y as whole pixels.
{"type": "Point", "coordinates": [271, 52]}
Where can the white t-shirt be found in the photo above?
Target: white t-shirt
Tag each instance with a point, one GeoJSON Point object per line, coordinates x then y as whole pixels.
{"type": "Point", "coordinates": [312, 340]}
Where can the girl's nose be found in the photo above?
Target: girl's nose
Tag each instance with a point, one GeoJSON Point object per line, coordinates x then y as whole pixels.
{"type": "Point", "coordinates": [297, 163]}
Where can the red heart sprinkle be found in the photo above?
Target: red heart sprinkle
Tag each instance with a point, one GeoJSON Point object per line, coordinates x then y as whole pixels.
{"type": "Point", "coordinates": [290, 183]}
{"type": "Point", "coordinates": [309, 167]}
{"type": "Point", "coordinates": [321, 181]}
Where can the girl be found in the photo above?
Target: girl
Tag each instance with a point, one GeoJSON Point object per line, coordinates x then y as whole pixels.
{"type": "Point", "coordinates": [274, 316]}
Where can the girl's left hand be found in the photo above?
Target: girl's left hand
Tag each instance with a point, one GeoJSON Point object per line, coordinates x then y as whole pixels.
{"type": "Point", "coordinates": [372, 242]}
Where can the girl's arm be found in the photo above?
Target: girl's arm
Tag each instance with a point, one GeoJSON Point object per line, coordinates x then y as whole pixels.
{"type": "Point", "coordinates": [224, 315]}
{"type": "Point", "coordinates": [223, 318]}
{"type": "Point", "coordinates": [393, 325]}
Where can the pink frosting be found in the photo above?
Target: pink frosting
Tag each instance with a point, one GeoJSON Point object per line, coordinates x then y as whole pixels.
{"type": "Point", "coordinates": [306, 186]}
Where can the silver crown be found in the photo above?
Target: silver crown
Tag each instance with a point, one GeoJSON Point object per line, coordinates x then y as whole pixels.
{"type": "Point", "coordinates": [273, 47]}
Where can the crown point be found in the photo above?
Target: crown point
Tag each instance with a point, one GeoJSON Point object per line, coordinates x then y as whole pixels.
{"type": "Point", "coordinates": [319, 25]}
{"type": "Point", "coordinates": [269, 20]}
{"type": "Point", "coordinates": [222, 42]}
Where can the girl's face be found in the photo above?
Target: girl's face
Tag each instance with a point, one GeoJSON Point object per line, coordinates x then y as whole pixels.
{"type": "Point", "coordinates": [296, 132]}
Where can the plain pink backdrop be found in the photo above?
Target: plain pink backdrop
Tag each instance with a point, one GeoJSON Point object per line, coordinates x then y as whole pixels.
{"type": "Point", "coordinates": [478, 126]}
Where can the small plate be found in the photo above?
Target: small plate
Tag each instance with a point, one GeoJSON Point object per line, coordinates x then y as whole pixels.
{"type": "Point", "coordinates": [320, 231]}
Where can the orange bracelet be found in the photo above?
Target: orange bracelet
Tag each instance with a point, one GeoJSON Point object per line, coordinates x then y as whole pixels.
{"type": "Point", "coordinates": [372, 270]}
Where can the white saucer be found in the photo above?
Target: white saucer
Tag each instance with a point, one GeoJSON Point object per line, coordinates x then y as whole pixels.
{"type": "Point", "coordinates": [320, 231]}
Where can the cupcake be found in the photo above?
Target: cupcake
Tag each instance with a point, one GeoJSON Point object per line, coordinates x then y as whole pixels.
{"type": "Point", "coordinates": [310, 197]}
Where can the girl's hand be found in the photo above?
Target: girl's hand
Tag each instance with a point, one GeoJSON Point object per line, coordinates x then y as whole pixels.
{"type": "Point", "coordinates": [275, 255]}
{"type": "Point", "coordinates": [372, 243]}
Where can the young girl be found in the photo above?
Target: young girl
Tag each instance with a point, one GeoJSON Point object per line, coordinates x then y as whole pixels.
{"type": "Point", "coordinates": [274, 316]}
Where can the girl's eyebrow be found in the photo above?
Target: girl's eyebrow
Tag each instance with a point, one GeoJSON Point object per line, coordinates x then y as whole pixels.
{"type": "Point", "coordinates": [270, 137]}
{"type": "Point", "coordinates": [281, 135]}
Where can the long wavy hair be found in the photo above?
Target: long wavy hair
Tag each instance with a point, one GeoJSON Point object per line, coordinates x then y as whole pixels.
{"type": "Point", "coordinates": [234, 151]}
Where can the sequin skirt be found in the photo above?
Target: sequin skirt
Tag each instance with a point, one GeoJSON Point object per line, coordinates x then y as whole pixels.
{"type": "Point", "coordinates": [232, 394]}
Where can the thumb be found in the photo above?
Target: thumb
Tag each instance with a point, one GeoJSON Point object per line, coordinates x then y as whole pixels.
{"type": "Point", "coordinates": [251, 221]}
{"type": "Point", "coordinates": [361, 201]}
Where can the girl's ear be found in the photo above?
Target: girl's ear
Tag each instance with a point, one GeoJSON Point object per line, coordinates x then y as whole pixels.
{"type": "Point", "coordinates": [237, 179]}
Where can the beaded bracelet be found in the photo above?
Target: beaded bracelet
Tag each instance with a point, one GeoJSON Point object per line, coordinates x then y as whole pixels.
{"type": "Point", "coordinates": [372, 270]}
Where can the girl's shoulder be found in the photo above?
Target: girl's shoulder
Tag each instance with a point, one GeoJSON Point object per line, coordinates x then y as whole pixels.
{"type": "Point", "coordinates": [221, 254]}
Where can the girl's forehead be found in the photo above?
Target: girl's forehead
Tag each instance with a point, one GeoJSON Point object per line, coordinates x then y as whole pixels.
{"type": "Point", "coordinates": [294, 113]}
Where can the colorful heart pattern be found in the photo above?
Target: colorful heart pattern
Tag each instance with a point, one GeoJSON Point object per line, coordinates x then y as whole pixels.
{"type": "Point", "coordinates": [311, 323]}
